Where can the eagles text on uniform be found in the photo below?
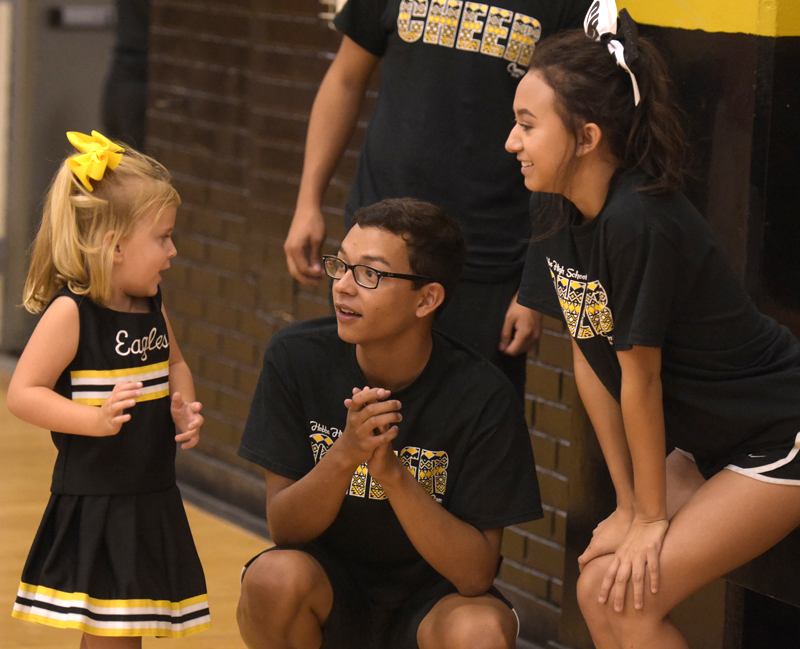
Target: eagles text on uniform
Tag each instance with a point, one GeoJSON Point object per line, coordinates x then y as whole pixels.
{"type": "Point", "coordinates": [140, 345]}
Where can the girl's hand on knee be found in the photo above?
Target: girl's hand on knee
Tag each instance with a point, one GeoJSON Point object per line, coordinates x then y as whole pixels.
{"type": "Point", "coordinates": [607, 536]}
{"type": "Point", "coordinates": [636, 558]}
{"type": "Point", "coordinates": [111, 415]}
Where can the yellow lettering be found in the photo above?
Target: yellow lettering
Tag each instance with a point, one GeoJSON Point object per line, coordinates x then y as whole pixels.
{"type": "Point", "coordinates": [410, 30]}
{"type": "Point", "coordinates": [376, 492]}
{"type": "Point", "coordinates": [319, 445]}
{"type": "Point", "coordinates": [407, 456]}
{"type": "Point", "coordinates": [495, 31]}
{"type": "Point", "coordinates": [596, 310]}
{"type": "Point", "coordinates": [471, 24]}
{"type": "Point", "coordinates": [525, 33]}
{"type": "Point", "coordinates": [429, 467]}
{"type": "Point", "coordinates": [442, 24]}
{"type": "Point", "coordinates": [433, 471]}
{"type": "Point", "coordinates": [358, 484]}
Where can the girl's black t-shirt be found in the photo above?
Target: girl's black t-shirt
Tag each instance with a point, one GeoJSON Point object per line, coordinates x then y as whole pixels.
{"type": "Point", "coordinates": [649, 271]}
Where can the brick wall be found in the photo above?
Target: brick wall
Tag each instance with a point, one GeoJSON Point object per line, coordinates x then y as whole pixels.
{"type": "Point", "coordinates": [532, 574]}
{"type": "Point", "coordinates": [230, 91]}
{"type": "Point", "coordinates": [231, 87]}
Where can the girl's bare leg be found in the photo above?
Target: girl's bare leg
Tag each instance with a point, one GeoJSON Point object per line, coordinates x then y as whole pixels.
{"type": "Point", "coordinates": [728, 521]}
{"type": "Point", "coordinates": [89, 641]}
{"type": "Point", "coordinates": [683, 481]}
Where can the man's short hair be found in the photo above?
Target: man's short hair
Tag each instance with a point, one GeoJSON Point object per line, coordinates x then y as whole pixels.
{"type": "Point", "coordinates": [436, 247]}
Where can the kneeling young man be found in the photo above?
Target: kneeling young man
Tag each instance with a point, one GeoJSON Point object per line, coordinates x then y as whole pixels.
{"type": "Point", "coordinates": [394, 458]}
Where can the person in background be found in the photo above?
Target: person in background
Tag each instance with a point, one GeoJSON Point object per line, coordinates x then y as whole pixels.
{"type": "Point", "coordinates": [448, 75]}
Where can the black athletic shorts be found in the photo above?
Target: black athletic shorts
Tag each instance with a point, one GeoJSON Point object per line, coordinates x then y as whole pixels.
{"type": "Point", "coordinates": [772, 457]}
{"type": "Point", "coordinates": [355, 621]}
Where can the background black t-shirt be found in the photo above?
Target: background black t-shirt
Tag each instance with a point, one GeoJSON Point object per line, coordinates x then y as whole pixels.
{"type": "Point", "coordinates": [444, 111]}
{"type": "Point", "coordinates": [648, 271]}
{"type": "Point", "coordinates": [463, 434]}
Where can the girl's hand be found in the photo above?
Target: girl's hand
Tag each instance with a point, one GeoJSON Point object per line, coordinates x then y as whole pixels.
{"type": "Point", "coordinates": [111, 415]}
{"type": "Point", "coordinates": [188, 420]}
{"type": "Point", "coordinates": [607, 536]}
{"type": "Point", "coordinates": [639, 552]}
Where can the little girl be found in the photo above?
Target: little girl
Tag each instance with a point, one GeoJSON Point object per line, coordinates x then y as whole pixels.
{"type": "Point", "coordinates": [669, 350]}
{"type": "Point", "coordinates": [113, 555]}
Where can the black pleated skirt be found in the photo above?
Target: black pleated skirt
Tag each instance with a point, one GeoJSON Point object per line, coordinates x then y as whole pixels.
{"type": "Point", "coordinates": [123, 565]}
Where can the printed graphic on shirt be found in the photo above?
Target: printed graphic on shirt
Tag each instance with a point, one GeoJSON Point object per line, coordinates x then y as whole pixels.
{"type": "Point", "coordinates": [140, 346]}
{"type": "Point", "coordinates": [472, 27]}
{"type": "Point", "coordinates": [93, 387]}
{"type": "Point", "coordinates": [584, 303]}
{"type": "Point", "coordinates": [428, 467]}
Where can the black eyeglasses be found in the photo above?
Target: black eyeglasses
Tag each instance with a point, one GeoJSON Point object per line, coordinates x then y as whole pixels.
{"type": "Point", "coordinates": [365, 276]}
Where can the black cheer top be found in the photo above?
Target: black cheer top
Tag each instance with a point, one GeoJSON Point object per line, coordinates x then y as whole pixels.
{"type": "Point", "coordinates": [116, 346]}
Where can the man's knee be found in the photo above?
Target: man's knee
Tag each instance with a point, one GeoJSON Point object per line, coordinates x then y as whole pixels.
{"type": "Point", "coordinates": [278, 584]}
{"type": "Point", "coordinates": [480, 622]}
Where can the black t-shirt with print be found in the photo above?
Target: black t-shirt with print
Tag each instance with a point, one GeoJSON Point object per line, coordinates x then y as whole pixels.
{"type": "Point", "coordinates": [648, 271]}
{"type": "Point", "coordinates": [463, 434]}
{"type": "Point", "coordinates": [444, 111]}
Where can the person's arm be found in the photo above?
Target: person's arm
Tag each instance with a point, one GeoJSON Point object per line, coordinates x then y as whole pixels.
{"type": "Point", "coordinates": [606, 417]}
{"type": "Point", "coordinates": [333, 119]}
{"type": "Point", "coordinates": [51, 348]}
{"type": "Point", "coordinates": [521, 329]}
{"type": "Point", "coordinates": [463, 554]}
{"type": "Point", "coordinates": [643, 416]}
{"type": "Point", "coordinates": [298, 511]}
{"type": "Point", "coordinates": [184, 409]}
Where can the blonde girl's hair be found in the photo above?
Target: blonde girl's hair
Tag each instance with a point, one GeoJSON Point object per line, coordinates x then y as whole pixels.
{"type": "Point", "coordinates": [73, 247]}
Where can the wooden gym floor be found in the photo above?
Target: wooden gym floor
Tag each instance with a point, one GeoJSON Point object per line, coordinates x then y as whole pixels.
{"type": "Point", "coordinates": [26, 462]}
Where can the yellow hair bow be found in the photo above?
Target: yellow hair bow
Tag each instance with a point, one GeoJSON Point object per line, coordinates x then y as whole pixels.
{"type": "Point", "coordinates": [96, 153]}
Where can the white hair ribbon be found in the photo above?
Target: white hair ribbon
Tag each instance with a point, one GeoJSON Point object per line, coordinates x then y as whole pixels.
{"type": "Point", "coordinates": [600, 24]}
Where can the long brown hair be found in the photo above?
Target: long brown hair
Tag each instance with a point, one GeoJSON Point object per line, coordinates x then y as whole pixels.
{"type": "Point", "coordinates": [591, 88]}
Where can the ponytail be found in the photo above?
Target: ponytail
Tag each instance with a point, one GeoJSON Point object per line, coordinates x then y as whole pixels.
{"type": "Point", "coordinates": [75, 243]}
{"type": "Point", "coordinates": [656, 143]}
{"type": "Point", "coordinates": [65, 251]}
{"type": "Point", "coordinates": [591, 88]}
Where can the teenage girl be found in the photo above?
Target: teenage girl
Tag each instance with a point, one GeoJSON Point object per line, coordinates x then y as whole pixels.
{"type": "Point", "coordinates": [669, 351]}
{"type": "Point", "coordinates": [113, 555]}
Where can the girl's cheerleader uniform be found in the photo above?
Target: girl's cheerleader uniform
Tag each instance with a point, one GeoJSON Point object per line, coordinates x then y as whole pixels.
{"type": "Point", "coordinates": [114, 555]}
